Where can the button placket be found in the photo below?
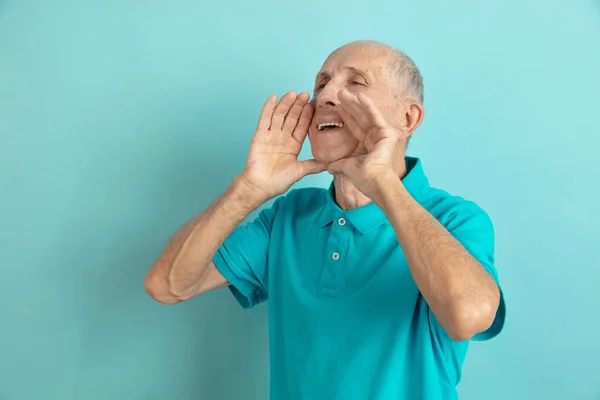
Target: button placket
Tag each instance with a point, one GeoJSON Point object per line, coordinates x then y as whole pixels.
{"type": "Point", "coordinates": [336, 246]}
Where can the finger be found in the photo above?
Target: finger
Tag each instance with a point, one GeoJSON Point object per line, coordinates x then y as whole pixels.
{"type": "Point", "coordinates": [347, 166]}
{"type": "Point", "coordinates": [291, 120]}
{"type": "Point", "coordinates": [282, 109]}
{"type": "Point", "coordinates": [354, 107]}
{"type": "Point", "coordinates": [339, 166]}
{"type": "Point", "coordinates": [304, 123]}
{"type": "Point", "coordinates": [264, 121]}
{"type": "Point", "coordinates": [310, 167]}
{"type": "Point", "coordinates": [351, 123]}
{"type": "Point", "coordinates": [371, 111]}
{"type": "Point", "coordinates": [335, 167]}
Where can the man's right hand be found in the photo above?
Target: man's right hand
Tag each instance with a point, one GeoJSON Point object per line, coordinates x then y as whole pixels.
{"type": "Point", "coordinates": [273, 166]}
{"type": "Point", "coordinates": [185, 268]}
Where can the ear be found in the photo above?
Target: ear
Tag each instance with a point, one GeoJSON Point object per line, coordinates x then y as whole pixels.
{"type": "Point", "coordinates": [411, 118]}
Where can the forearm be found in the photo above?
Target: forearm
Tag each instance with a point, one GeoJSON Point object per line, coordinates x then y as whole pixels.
{"type": "Point", "coordinates": [182, 268]}
{"type": "Point", "coordinates": [461, 294]}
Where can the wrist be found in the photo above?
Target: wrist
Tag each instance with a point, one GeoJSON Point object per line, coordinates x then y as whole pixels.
{"type": "Point", "coordinates": [389, 190]}
{"type": "Point", "coordinates": [248, 192]}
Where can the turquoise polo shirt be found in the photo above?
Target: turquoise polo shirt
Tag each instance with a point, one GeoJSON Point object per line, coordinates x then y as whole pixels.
{"type": "Point", "coordinates": [346, 319]}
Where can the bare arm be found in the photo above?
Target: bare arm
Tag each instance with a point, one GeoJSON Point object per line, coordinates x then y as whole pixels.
{"type": "Point", "coordinates": [185, 268]}
{"type": "Point", "coordinates": [461, 293]}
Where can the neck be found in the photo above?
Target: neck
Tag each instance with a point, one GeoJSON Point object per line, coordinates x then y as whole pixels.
{"type": "Point", "coordinates": [347, 196]}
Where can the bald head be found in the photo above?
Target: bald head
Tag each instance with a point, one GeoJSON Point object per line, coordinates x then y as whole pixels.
{"type": "Point", "coordinates": [401, 67]}
{"type": "Point", "coordinates": [386, 75]}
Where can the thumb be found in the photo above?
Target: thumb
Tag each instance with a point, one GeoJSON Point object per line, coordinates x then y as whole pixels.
{"type": "Point", "coordinates": [337, 167]}
{"type": "Point", "coordinates": [310, 167]}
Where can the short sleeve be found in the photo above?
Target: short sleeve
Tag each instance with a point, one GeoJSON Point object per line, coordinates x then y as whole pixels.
{"type": "Point", "coordinates": [243, 258]}
{"type": "Point", "coordinates": [473, 228]}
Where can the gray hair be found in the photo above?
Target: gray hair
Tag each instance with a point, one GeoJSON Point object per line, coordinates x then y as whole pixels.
{"type": "Point", "coordinates": [403, 67]}
{"type": "Point", "coordinates": [409, 77]}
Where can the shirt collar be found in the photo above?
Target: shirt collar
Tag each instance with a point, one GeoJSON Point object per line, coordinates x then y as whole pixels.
{"type": "Point", "coordinates": [370, 216]}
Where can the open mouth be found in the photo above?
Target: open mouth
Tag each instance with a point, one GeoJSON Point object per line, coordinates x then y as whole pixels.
{"type": "Point", "coordinates": [329, 126]}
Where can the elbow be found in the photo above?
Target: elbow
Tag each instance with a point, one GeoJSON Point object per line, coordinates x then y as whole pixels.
{"type": "Point", "coordinates": [158, 289]}
{"type": "Point", "coordinates": [472, 318]}
{"type": "Point", "coordinates": [461, 332]}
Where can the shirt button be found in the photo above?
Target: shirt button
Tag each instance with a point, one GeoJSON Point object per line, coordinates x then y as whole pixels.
{"type": "Point", "coordinates": [342, 221]}
{"type": "Point", "coordinates": [335, 256]}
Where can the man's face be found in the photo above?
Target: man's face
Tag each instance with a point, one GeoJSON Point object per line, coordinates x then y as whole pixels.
{"type": "Point", "coordinates": [355, 67]}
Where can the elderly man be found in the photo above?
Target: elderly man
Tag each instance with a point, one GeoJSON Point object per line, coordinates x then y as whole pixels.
{"type": "Point", "coordinates": [376, 284]}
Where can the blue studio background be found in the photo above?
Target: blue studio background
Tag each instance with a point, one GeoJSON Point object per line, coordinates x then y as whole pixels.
{"type": "Point", "coordinates": [120, 120]}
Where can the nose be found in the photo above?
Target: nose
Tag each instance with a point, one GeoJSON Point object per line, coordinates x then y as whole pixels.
{"type": "Point", "coordinates": [327, 97]}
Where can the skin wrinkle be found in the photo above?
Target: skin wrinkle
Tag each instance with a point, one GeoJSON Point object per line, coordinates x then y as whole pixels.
{"type": "Point", "coordinates": [461, 294]}
{"type": "Point", "coordinates": [382, 87]}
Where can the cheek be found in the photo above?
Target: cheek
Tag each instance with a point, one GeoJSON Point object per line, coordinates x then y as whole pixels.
{"type": "Point", "coordinates": [310, 138]}
{"type": "Point", "coordinates": [312, 134]}
{"type": "Point", "coordinates": [388, 109]}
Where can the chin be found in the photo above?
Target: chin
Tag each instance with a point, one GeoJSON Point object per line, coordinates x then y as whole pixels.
{"type": "Point", "coordinates": [330, 148]}
{"type": "Point", "coordinates": [329, 155]}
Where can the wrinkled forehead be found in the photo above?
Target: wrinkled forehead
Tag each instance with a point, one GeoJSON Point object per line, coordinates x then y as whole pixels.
{"type": "Point", "coordinates": [371, 59]}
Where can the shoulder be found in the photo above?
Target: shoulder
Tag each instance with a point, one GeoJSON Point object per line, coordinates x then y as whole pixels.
{"type": "Point", "coordinates": [453, 210]}
{"type": "Point", "coordinates": [306, 199]}
{"type": "Point", "coordinates": [298, 202]}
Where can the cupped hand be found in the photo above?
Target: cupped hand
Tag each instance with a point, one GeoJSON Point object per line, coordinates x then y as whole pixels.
{"type": "Point", "coordinates": [272, 166]}
{"type": "Point", "coordinates": [382, 141]}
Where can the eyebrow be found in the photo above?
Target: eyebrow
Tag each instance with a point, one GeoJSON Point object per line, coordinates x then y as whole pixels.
{"type": "Point", "coordinates": [355, 70]}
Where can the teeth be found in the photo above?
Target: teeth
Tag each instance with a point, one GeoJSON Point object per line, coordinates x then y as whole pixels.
{"type": "Point", "coordinates": [326, 124]}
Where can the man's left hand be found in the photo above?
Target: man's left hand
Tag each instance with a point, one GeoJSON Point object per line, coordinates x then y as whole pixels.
{"type": "Point", "coordinates": [382, 141]}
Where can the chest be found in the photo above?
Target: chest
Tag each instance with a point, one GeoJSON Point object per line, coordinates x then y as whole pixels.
{"type": "Point", "coordinates": [336, 263]}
